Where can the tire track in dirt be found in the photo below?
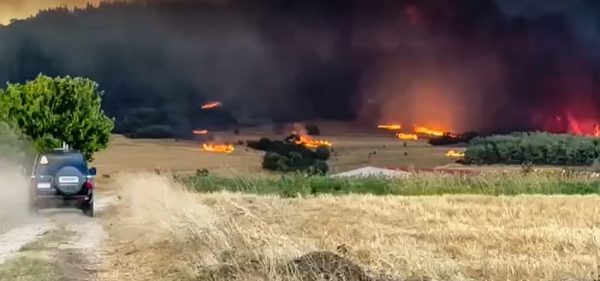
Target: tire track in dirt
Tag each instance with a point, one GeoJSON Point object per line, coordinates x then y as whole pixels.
{"type": "Point", "coordinates": [13, 240]}
{"type": "Point", "coordinates": [76, 253]}
{"type": "Point", "coordinates": [79, 256]}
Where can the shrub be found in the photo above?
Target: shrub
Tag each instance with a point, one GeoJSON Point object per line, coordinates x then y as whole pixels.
{"type": "Point", "coordinates": [263, 144]}
{"type": "Point", "coordinates": [534, 148]}
{"type": "Point", "coordinates": [287, 156]}
{"type": "Point", "coordinates": [322, 153]}
{"type": "Point", "coordinates": [274, 162]}
{"type": "Point", "coordinates": [312, 129]}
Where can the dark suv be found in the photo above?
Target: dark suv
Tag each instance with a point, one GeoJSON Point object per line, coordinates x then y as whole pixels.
{"type": "Point", "coordinates": [62, 178]}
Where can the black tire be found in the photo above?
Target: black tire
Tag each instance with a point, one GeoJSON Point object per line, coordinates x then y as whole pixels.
{"type": "Point", "coordinates": [88, 209]}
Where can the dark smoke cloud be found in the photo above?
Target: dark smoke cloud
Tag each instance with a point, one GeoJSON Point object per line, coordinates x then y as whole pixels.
{"type": "Point", "coordinates": [458, 65]}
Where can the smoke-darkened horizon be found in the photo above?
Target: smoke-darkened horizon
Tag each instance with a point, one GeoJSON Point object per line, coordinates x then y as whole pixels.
{"type": "Point", "coordinates": [454, 65]}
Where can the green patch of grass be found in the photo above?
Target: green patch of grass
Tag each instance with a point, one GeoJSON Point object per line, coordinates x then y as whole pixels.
{"type": "Point", "coordinates": [27, 269]}
{"type": "Point", "coordinates": [547, 183]}
{"type": "Point", "coordinates": [49, 240]}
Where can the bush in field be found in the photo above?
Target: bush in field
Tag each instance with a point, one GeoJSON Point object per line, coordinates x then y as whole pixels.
{"type": "Point", "coordinates": [274, 162]}
{"type": "Point", "coordinates": [51, 110]}
{"type": "Point", "coordinates": [322, 153]}
{"type": "Point", "coordinates": [534, 148]}
{"type": "Point", "coordinates": [290, 157]}
{"type": "Point", "coordinates": [312, 129]}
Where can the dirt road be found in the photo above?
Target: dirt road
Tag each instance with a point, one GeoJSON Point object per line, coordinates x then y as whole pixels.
{"type": "Point", "coordinates": [56, 244]}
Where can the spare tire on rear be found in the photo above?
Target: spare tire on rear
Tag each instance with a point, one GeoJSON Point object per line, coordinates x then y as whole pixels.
{"type": "Point", "coordinates": [69, 180]}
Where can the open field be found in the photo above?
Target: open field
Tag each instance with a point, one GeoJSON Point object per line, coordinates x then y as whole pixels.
{"type": "Point", "coordinates": [164, 233]}
{"type": "Point", "coordinates": [242, 223]}
{"type": "Point", "coordinates": [160, 232]}
{"type": "Point", "coordinates": [125, 155]}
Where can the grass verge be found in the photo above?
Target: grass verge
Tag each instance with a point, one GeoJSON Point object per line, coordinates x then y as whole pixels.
{"type": "Point", "coordinates": [544, 183]}
{"type": "Point", "coordinates": [24, 268]}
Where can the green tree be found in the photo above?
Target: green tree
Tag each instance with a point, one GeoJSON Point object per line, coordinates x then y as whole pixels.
{"type": "Point", "coordinates": [54, 110]}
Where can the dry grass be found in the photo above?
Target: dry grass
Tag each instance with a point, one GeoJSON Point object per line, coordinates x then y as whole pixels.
{"type": "Point", "coordinates": [161, 232]}
{"type": "Point", "coordinates": [126, 155]}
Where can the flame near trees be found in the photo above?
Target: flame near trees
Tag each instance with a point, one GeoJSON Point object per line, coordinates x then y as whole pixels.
{"type": "Point", "coordinates": [309, 142]}
{"type": "Point", "coordinates": [455, 154]}
{"type": "Point", "coordinates": [212, 105]}
{"type": "Point", "coordinates": [414, 135]}
{"type": "Point", "coordinates": [218, 148]}
{"type": "Point", "coordinates": [427, 131]}
{"type": "Point", "coordinates": [404, 136]}
{"type": "Point", "coordinates": [391, 127]}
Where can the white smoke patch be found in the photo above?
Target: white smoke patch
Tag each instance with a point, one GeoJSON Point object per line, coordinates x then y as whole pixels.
{"type": "Point", "coordinates": [14, 195]}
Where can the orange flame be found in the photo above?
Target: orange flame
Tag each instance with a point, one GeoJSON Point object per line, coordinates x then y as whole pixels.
{"type": "Point", "coordinates": [597, 130]}
{"type": "Point", "coordinates": [404, 136]}
{"type": "Point", "coordinates": [309, 142]}
{"type": "Point", "coordinates": [455, 154]}
{"type": "Point", "coordinates": [392, 127]}
{"type": "Point", "coordinates": [219, 148]}
{"type": "Point", "coordinates": [211, 105]}
{"type": "Point", "coordinates": [200, 132]}
{"type": "Point", "coordinates": [428, 131]}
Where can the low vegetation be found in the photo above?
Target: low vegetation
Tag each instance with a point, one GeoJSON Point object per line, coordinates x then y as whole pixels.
{"type": "Point", "coordinates": [287, 156]}
{"type": "Point", "coordinates": [25, 268]}
{"type": "Point", "coordinates": [547, 182]}
{"type": "Point", "coordinates": [535, 148]}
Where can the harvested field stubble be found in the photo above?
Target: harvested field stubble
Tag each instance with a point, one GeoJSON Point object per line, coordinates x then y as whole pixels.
{"type": "Point", "coordinates": [225, 236]}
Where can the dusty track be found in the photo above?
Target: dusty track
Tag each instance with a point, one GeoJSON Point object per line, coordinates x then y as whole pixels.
{"type": "Point", "coordinates": [65, 240]}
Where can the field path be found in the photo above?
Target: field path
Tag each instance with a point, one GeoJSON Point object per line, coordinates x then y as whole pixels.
{"type": "Point", "coordinates": [66, 242]}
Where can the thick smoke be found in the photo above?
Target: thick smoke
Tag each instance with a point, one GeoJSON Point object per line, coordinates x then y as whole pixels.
{"type": "Point", "coordinates": [15, 163]}
{"type": "Point", "coordinates": [457, 65]}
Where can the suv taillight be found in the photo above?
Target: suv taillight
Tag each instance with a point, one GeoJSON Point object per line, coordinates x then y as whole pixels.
{"type": "Point", "coordinates": [89, 185]}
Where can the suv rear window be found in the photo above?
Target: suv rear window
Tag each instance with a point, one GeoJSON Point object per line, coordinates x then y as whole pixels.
{"type": "Point", "coordinates": [56, 162]}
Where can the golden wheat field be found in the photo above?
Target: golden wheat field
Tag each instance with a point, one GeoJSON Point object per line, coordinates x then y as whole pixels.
{"type": "Point", "coordinates": [160, 232]}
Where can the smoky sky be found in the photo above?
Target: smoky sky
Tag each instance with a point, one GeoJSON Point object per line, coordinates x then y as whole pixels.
{"type": "Point", "coordinates": [457, 65]}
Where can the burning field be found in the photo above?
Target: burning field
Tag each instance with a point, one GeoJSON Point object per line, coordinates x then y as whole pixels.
{"type": "Point", "coordinates": [240, 236]}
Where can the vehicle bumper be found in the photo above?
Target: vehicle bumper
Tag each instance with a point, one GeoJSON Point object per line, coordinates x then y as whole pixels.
{"type": "Point", "coordinates": [49, 201]}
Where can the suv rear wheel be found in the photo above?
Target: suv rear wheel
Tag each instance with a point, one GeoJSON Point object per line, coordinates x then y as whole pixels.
{"type": "Point", "coordinates": [88, 209]}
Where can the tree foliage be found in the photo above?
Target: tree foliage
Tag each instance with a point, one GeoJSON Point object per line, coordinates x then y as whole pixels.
{"type": "Point", "coordinates": [535, 148]}
{"type": "Point", "coordinates": [52, 110]}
